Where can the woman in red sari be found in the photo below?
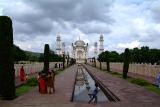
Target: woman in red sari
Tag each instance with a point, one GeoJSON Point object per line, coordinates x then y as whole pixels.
{"type": "Point", "coordinates": [22, 74]}
{"type": "Point", "coordinates": [42, 85]}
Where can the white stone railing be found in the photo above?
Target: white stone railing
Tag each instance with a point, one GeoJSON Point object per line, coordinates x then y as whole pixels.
{"type": "Point", "coordinates": [141, 69]}
{"type": "Point", "coordinates": [32, 68]}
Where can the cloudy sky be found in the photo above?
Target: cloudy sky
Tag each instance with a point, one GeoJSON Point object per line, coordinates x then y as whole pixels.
{"type": "Point", "coordinates": [124, 23]}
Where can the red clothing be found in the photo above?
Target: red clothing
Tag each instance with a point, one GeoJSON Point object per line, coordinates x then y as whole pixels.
{"type": "Point", "coordinates": [22, 74]}
{"type": "Point", "coordinates": [42, 85]}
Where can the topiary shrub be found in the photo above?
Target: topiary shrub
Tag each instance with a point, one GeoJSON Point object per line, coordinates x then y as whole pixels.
{"type": "Point", "coordinates": [126, 63]}
{"type": "Point", "coordinates": [94, 61]}
{"type": "Point", "coordinates": [46, 58]}
{"type": "Point", "coordinates": [7, 79]}
{"type": "Point", "coordinates": [32, 82]}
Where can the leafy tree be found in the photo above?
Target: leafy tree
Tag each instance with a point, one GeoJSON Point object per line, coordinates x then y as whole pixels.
{"type": "Point", "coordinates": [7, 79]}
{"type": "Point", "coordinates": [72, 61]}
{"type": "Point", "coordinates": [67, 60]}
{"type": "Point", "coordinates": [107, 57]}
{"type": "Point", "coordinates": [114, 56]}
{"type": "Point", "coordinates": [63, 61]}
{"type": "Point", "coordinates": [154, 55]}
{"type": "Point", "coordinates": [94, 60]}
{"type": "Point", "coordinates": [52, 57]}
{"type": "Point", "coordinates": [101, 59]}
{"type": "Point", "coordinates": [145, 55]}
{"type": "Point", "coordinates": [41, 58]}
{"type": "Point", "coordinates": [19, 54]}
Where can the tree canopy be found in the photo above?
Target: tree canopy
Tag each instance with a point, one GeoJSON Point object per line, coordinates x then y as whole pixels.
{"type": "Point", "coordinates": [138, 55]}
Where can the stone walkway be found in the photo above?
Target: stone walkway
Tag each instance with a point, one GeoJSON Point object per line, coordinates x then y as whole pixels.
{"type": "Point", "coordinates": [125, 91]}
{"type": "Point", "coordinates": [129, 94]}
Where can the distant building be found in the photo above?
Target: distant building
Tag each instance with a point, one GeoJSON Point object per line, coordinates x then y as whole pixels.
{"type": "Point", "coordinates": [80, 49]}
{"type": "Point", "coordinates": [101, 48]}
{"type": "Point", "coordinates": [60, 47]}
{"type": "Point", "coordinates": [95, 50]}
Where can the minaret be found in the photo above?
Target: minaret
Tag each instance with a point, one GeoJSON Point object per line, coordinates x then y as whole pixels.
{"type": "Point", "coordinates": [101, 49]}
{"type": "Point", "coordinates": [95, 50]}
{"type": "Point", "coordinates": [58, 49]}
{"type": "Point", "coordinates": [73, 51]}
{"type": "Point", "coordinates": [63, 47]}
{"type": "Point", "coordinates": [86, 51]}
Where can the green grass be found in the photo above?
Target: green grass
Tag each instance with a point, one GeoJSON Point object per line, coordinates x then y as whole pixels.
{"type": "Point", "coordinates": [27, 86]}
{"type": "Point", "coordinates": [153, 88]}
{"type": "Point", "coordinates": [59, 71]}
{"type": "Point", "coordinates": [32, 82]}
{"type": "Point", "coordinates": [113, 73]}
{"type": "Point", "coordinates": [22, 89]}
{"type": "Point", "coordinates": [138, 81]}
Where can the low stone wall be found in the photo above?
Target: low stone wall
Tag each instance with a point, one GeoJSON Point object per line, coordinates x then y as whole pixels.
{"type": "Point", "coordinates": [32, 68]}
{"type": "Point", "coordinates": [141, 69]}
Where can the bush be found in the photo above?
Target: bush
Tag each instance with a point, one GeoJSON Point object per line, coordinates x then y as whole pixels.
{"type": "Point", "coordinates": [140, 81]}
{"type": "Point", "coordinates": [32, 82]}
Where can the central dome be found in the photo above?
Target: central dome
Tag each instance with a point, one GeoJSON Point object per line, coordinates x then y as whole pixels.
{"type": "Point", "coordinates": [79, 43]}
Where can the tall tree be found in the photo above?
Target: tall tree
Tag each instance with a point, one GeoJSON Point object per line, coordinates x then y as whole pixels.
{"type": "Point", "coordinates": [46, 58]}
{"type": "Point", "coordinates": [94, 60]}
{"type": "Point", "coordinates": [126, 63]}
{"type": "Point", "coordinates": [7, 74]}
{"type": "Point", "coordinates": [107, 57]}
{"type": "Point", "coordinates": [63, 61]}
{"type": "Point", "coordinates": [114, 56]}
{"type": "Point", "coordinates": [101, 59]}
{"type": "Point", "coordinates": [19, 54]}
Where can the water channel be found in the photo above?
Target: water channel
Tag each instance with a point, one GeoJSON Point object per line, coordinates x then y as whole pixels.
{"type": "Point", "coordinates": [85, 85]}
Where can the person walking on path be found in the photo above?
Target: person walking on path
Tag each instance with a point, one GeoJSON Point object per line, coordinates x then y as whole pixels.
{"type": "Point", "coordinates": [22, 74]}
{"type": "Point", "coordinates": [158, 80]}
{"type": "Point", "coordinates": [49, 83]}
{"type": "Point", "coordinates": [94, 94]}
{"type": "Point", "coordinates": [38, 78]}
{"type": "Point", "coordinates": [53, 79]}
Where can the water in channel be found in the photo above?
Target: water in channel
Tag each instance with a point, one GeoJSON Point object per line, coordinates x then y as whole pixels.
{"type": "Point", "coordinates": [85, 85]}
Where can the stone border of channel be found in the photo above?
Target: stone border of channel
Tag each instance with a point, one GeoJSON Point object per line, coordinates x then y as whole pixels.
{"type": "Point", "coordinates": [109, 94]}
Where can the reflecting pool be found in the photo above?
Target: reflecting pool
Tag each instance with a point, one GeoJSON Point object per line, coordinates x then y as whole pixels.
{"type": "Point", "coordinates": [85, 85]}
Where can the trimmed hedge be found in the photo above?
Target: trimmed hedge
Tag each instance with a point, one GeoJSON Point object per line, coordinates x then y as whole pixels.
{"type": "Point", "coordinates": [126, 63]}
{"type": "Point", "coordinates": [7, 79]}
{"type": "Point", "coordinates": [46, 58]}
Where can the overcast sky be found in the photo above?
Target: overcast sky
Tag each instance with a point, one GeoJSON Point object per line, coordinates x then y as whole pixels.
{"type": "Point", "coordinates": [124, 23]}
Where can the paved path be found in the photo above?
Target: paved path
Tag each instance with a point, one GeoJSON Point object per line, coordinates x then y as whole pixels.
{"type": "Point", "coordinates": [130, 95]}
{"type": "Point", "coordinates": [127, 92]}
